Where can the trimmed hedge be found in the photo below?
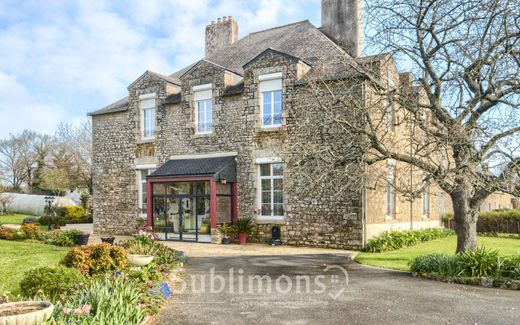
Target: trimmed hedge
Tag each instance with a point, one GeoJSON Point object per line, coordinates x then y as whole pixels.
{"type": "Point", "coordinates": [391, 240]}
{"type": "Point", "coordinates": [492, 222]}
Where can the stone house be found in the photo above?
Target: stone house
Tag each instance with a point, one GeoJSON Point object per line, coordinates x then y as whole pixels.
{"type": "Point", "coordinates": [193, 149]}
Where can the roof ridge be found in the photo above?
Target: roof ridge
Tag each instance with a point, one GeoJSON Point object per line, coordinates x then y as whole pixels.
{"type": "Point", "coordinates": [281, 26]}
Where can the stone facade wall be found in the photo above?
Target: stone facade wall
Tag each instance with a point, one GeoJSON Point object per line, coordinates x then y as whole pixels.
{"type": "Point", "coordinates": [318, 221]}
{"type": "Point", "coordinates": [112, 174]}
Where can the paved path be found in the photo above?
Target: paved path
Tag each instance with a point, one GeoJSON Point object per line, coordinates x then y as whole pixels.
{"type": "Point", "coordinates": [367, 296]}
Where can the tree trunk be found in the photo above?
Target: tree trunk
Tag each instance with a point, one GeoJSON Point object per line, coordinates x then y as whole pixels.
{"type": "Point", "coordinates": [465, 221]}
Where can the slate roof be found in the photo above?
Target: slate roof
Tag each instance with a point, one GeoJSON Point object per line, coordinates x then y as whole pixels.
{"type": "Point", "coordinates": [119, 106]}
{"type": "Point", "coordinates": [220, 168]}
{"type": "Point", "coordinates": [301, 40]}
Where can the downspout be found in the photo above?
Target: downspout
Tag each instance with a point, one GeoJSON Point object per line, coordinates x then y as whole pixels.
{"type": "Point", "coordinates": [364, 200]}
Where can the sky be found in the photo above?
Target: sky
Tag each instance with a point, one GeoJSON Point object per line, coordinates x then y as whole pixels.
{"type": "Point", "coordinates": [60, 59]}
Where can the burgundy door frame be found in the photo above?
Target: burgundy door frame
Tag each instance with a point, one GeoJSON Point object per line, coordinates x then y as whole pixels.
{"type": "Point", "coordinates": [212, 195]}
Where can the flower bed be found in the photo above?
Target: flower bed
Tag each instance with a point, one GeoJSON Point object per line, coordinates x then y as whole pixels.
{"type": "Point", "coordinates": [479, 267]}
{"type": "Point", "coordinates": [391, 240]}
{"type": "Point", "coordinates": [95, 285]}
{"type": "Point", "coordinates": [33, 232]}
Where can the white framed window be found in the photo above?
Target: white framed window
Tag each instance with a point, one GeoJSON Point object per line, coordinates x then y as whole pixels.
{"type": "Point", "coordinates": [426, 198]}
{"type": "Point", "coordinates": [142, 172]}
{"type": "Point", "coordinates": [203, 95]}
{"type": "Point", "coordinates": [270, 187]}
{"type": "Point", "coordinates": [148, 121]}
{"type": "Point", "coordinates": [390, 189]}
{"type": "Point", "coordinates": [271, 99]}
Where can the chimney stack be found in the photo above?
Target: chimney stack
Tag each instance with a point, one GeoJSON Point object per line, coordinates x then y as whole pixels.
{"type": "Point", "coordinates": [341, 21]}
{"type": "Point", "coordinates": [221, 34]}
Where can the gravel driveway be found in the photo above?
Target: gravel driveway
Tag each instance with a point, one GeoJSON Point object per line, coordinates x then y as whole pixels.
{"type": "Point", "coordinates": [324, 288]}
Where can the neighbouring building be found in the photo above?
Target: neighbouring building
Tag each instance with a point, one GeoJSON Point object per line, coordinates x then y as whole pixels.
{"type": "Point", "coordinates": [193, 149]}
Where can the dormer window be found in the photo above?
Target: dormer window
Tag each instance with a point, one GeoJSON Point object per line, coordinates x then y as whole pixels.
{"type": "Point", "coordinates": [203, 109]}
{"type": "Point", "coordinates": [147, 107]}
{"type": "Point", "coordinates": [271, 99]}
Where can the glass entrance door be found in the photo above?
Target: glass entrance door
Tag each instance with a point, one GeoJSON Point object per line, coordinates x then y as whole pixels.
{"type": "Point", "coordinates": [182, 216]}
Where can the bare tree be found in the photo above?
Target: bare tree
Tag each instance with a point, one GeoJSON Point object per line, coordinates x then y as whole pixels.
{"type": "Point", "coordinates": [457, 124]}
{"type": "Point", "coordinates": [75, 141]}
{"type": "Point", "coordinates": [16, 158]}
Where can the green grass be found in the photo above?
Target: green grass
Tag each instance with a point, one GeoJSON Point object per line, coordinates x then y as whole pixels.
{"type": "Point", "coordinates": [18, 257]}
{"type": "Point", "coordinates": [13, 219]}
{"type": "Point", "coordinates": [398, 259]}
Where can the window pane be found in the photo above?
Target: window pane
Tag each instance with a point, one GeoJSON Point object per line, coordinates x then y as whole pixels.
{"type": "Point", "coordinates": [278, 197]}
{"type": "Point", "coordinates": [266, 209]}
{"type": "Point", "coordinates": [278, 184]}
{"type": "Point", "coordinates": [266, 197]}
{"type": "Point", "coordinates": [209, 116]}
{"type": "Point", "coordinates": [267, 109]}
{"type": "Point", "coordinates": [266, 185]}
{"type": "Point", "coordinates": [200, 116]}
{"type": "Point", "coordinates": [278, 209]}
{"type": "Point", "coordinates": [265, 170]}
{"type": "Point", "coordinates": [277, 97]}
{"type": "Point", "coordinates": [277, 169]}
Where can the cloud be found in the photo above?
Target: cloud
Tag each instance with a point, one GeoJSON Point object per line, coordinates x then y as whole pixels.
{"type": "Point", "coordinates": [67, 58]}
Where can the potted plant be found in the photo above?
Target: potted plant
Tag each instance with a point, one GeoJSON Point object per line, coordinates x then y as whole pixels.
{"type": "Point", "coordinates": [244, 227]}
{"type": "Point", "coordinates": [139, 254]}
{"type": "Point", "coordinates": [26, 312]}
{"type": "Point", "coordinates": [82, 238]}
{"type": "Point", "coordinates": [225, 230]}
{"type": "Point", "coordinates": [108, 239]}
{"type": "Point", "coordinates": [204, 226]}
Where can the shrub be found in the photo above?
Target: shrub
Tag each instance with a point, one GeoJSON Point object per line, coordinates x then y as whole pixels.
{"type": "Point", "coordinates": [107, 300]}
{"type": "Point", "coordinates": [166, 258]}
{"type": "Point", "coordinates": [97, 259]}
{"type": "Point", "coordinates": [478, 263]}
{"type": "Point", "coordinates": [446, 266]}
{"type": "Point", "coordinates": [391, 240]}
{"type": "Point", "coordinates": [53, 282]}
{"type": "Point", "coordinates": [31, 231]}
{"type": "Point", "coordinates": [7, 233]}
{"type": "Point", "coordinates": [60, 238]}
{"type": "Point", "coordinates": [70, 212]}
{"type": "Point", "coordinates": [509, 267]}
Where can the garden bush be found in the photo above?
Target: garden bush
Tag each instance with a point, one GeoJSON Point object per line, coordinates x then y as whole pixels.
{"type": "Point", "coordinates": [53, 282]}
{"type": "Point", "coordinates": [31, 231]}
{"type": "Point", "coordinates": [106, 300]}
{"type": "Point", "coordinates": [97, 259]}
{"type": "Point", "coordinates": [60, 238]}
{"type": "Point", "coordinates": [478, 263]}
{"type": "Point", "coordinates": [70, 212]}
{"type": "Point", "coordinates": [391, 240]}
{"type": "Point", "coordinates": [7, 233]}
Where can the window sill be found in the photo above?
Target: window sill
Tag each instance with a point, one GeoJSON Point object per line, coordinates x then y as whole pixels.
{"type": "Point", "coordinates": [270, 219]}
{"type": "Point", "coordinates": [145, 140]}
{"type": "Point", "coordinates": [269, 128]}
{"type": "Point", "coordinates": [202, 135]}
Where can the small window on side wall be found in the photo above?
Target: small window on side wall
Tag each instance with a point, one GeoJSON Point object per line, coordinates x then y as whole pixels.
{"type": "Point", "coordinates": [148, 121]}
{"type": "Point", "coordinates": [203, 109]}
{"type": "Point", "coordinates": [271, 99]}
{"type": "Point", "coordinates": [390, 189]}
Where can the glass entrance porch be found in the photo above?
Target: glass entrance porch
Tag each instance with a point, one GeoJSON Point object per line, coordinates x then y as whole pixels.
{"type": "Point", "coordinates": [181, 211]}
{"type": "Point", "coordinates": [188, 198]}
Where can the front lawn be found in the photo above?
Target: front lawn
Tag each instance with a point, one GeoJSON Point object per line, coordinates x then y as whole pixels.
{"type": "Point", "coordinates": [13, 219]}
{"type": "Point", "coordinates": [18, 257]}
{"type": "Point", "coordinates": [398, 259]}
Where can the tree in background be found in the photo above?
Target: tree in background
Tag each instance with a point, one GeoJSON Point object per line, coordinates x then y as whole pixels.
{"type": "Point", "coordinates": [16, 158]}
{"type": "Point", "coordinates": [457, 124]}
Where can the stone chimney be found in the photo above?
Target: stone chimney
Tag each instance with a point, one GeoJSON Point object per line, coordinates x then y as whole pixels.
{"type": "Point", "coordinates": [341, 21]}
{"type": "Point", "coordinates": [220, 34]}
